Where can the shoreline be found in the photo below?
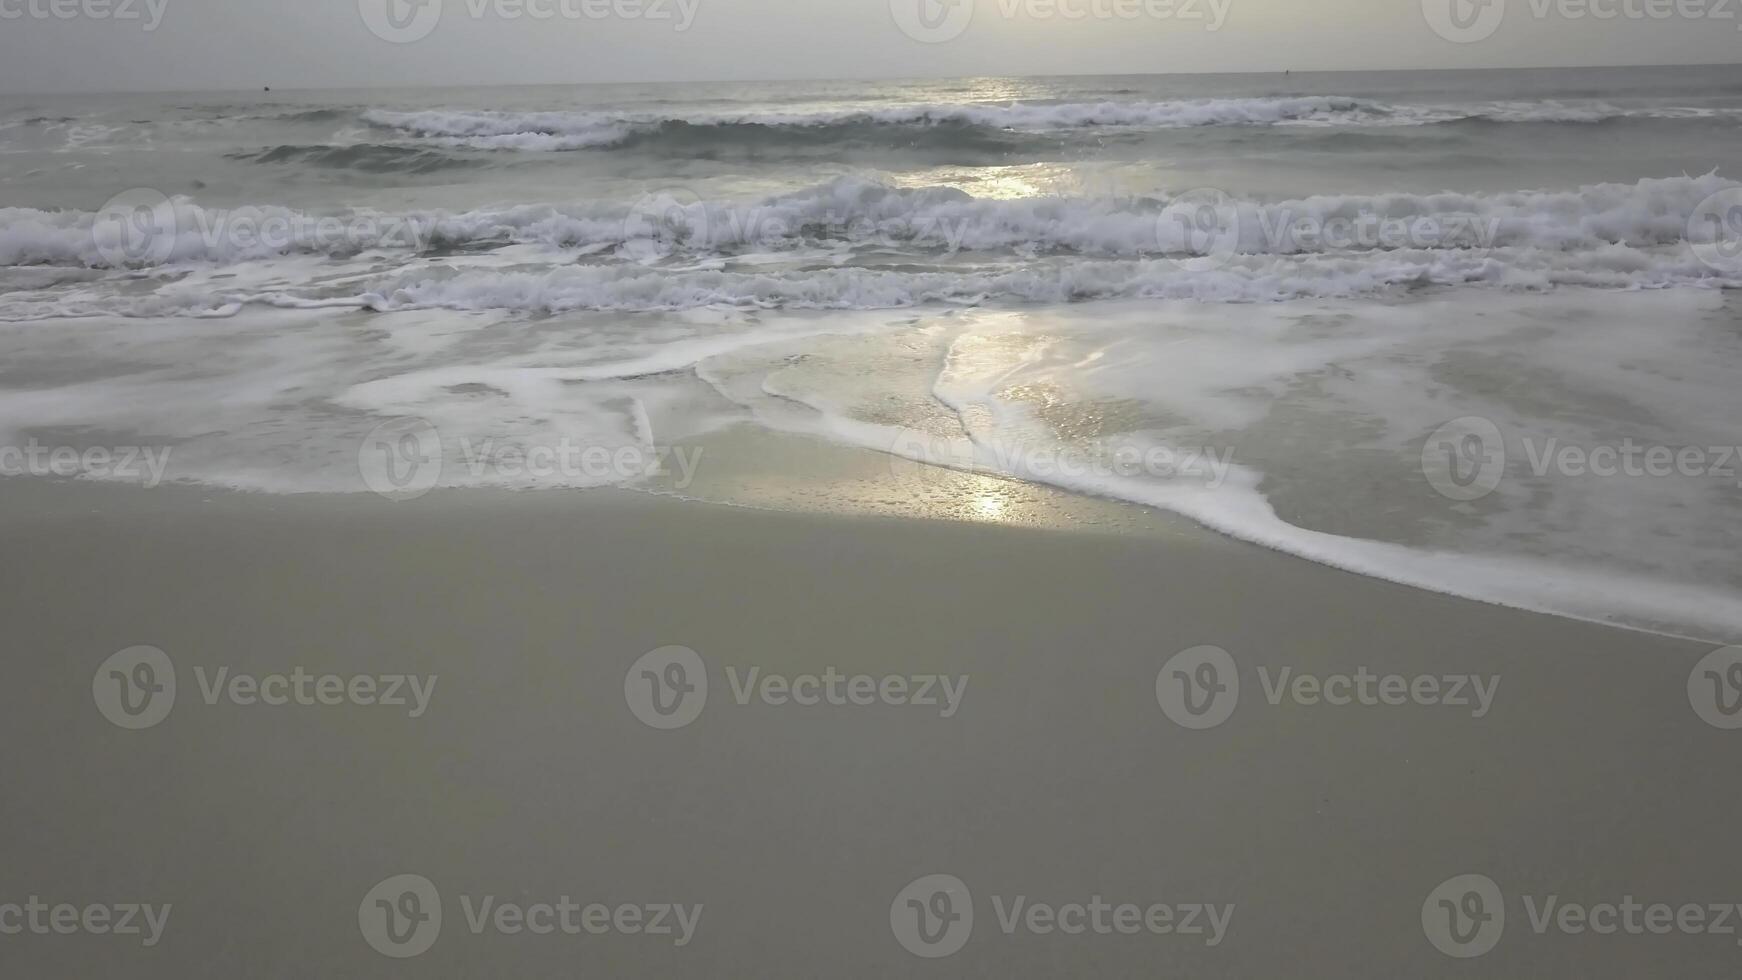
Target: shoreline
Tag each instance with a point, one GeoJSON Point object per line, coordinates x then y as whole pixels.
{"type": "Point", "coordinates": [791, 471]}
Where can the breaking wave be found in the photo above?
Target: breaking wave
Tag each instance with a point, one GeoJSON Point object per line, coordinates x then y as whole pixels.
{"type": "Point", "coordinates": [576, 130]}
{"type": "Point", "coordinates": [853, 212]}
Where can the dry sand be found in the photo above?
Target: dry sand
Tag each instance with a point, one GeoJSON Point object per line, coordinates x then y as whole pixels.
{"type": "Point", "coordinates": [1057, 778]}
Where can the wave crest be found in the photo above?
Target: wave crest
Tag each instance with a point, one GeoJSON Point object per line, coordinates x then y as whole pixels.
{"type": "Point", "coordinates": [582, 129]}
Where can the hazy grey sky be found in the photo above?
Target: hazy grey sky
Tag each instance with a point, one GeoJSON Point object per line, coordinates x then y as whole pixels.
{"type": "Point", "coordinates": [110, 45]}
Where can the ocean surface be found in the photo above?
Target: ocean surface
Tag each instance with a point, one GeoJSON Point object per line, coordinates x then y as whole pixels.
{"type": "Point", "coordinates": [1473, 331]}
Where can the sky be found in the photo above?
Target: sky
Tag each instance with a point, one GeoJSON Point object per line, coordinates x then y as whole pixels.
{"type": "Point", "coordinates": [174, 45]}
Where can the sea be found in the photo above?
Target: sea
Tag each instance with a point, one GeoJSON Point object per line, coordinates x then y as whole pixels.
{"type": "Point", "coordinates": [1473, 331]}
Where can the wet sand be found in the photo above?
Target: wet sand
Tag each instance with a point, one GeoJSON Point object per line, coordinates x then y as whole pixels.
{"type": "Point", "coordinates": [1055, 774]}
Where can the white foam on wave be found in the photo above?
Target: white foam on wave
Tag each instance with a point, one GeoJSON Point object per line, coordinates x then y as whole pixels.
{"type": "Point", "coordinates": [180, 232]}
{"type": "Point", "coordinates": [858, 211]}
{"type": "Point", "coordinates": [1236, 508]}
{"type": "Point", "coordinates": [1357, 389]}
{"type": "Point", "coordinates": [576, 129]}
{"type": "Point", "coordinates": [618, 288]}
{"type": "Point", "coordinates": [284, 405]}
{"type": "Point", "coordinates": [1243, 279]}
{"type": "Point", "coordinates": [581, 129]}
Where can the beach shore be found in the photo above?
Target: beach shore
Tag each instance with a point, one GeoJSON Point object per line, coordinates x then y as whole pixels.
{"type": "Point", "coordinates": [1039, 761]}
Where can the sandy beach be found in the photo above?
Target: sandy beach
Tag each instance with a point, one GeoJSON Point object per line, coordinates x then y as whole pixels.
{"type": "Point", "coordinates": [982, 704]}
{"type": "Point", "coordinates": [754, 490]}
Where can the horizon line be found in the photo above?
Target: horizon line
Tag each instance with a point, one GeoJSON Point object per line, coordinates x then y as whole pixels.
{"type": "Point", "coordinates": [267, 86]}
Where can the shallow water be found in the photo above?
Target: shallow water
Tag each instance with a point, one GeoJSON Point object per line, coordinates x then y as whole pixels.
{"type": "Point", "coordinates": [1441, 327]}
